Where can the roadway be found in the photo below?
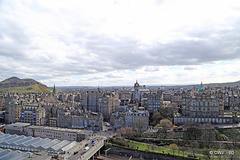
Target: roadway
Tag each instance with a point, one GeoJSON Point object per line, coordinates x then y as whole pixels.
{"type": "Point", "coordinates": [93, 150]}
{"type": "Point", "coordinates": [227, 125]}
{"type": "Point", "coordinates": [87, 155]}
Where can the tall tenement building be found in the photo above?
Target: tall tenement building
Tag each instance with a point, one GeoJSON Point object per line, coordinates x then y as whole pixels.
{"type": "Point", "coordinates": [90, 100]}
{"type": "Point", "coordinates": [33, 114]}
{"type": "Point", "coordinates": [154, 101]}
{"type": "Point", "coordinates": [202, 107]}
{"type": "Point", "coordinates": [10, 110]}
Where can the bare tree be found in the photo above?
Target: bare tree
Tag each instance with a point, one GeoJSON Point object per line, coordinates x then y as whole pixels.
{"type": "Point", "coordinates": [206, 152]}
{"type": "Point", "coordinates": [153, 148]}
{"type": "Point", "coordinates": [208, 134]}
{"type": "Point", "coordinates": [235, 138]}
{"type": "Point", "coordinates": [140, 125]}
{"type": "Point", "coordinates": [182, 149]}
{"type": "Point", "coordinates": [173, 147]}
{"type": "Point", "coordinates": [194, 145]}
{"type": "Point", "coordinates": [165, 124]}
{"type": "Point", "coordinates": [126, 132]}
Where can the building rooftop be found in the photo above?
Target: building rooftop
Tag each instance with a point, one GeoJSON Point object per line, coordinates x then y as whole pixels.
{"type": "Point", "coordinates": [6, 154]}
{"type": "Point", "coordinates": [33, 144]}
{"type": "Point", "coordinates": [19, 124]}
{"type": "Point", "coordinates": [62, 129]}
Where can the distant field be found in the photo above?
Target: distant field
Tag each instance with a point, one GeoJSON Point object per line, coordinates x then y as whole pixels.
{"type": "Point", "coordinates": [27, 89]}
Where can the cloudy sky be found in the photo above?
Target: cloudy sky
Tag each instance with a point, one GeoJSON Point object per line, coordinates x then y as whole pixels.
{"type": "Point", "coordinates": [115, 42]}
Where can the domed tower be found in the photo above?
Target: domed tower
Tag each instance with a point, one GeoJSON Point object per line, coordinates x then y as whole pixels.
{"type": "Point", "coordinates": [136, 87]}
{"type": "Point", "coordinates": [201, 88]}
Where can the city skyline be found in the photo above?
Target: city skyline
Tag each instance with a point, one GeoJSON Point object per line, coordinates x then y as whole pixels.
{"type": "Point", "coordinates": [113, 43]}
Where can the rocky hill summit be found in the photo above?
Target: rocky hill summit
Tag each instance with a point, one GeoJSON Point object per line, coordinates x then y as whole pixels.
{"type": "Point", "coordinates": [17, 82]}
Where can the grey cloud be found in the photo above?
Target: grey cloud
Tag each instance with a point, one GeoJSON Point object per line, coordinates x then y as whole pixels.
{"type": "Point", "coordinates": [126, 54]}
{"type": "Point", "coordinates": [190, 68]}
{"type": "Point", "coordinates": [109, 54]}
{"type": "Point", "coordinates": [152, 69]}
{"type": "Point", "coordinates": [112, 76]}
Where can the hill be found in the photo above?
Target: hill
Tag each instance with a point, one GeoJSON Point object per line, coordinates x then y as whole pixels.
{"type": "Point", "coordinates": [18, 85]}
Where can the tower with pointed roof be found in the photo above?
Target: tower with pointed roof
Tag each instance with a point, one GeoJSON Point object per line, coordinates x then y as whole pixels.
{"type": "Point", "coordinates": [54, 89]}
{"type": "Point", "coordinates": [136, 93]}
{"type": "Point", "coordinates": [136, 87]}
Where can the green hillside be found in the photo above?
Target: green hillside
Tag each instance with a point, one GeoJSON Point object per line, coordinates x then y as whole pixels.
{"type": "Point", "coordinates": [36, 88]}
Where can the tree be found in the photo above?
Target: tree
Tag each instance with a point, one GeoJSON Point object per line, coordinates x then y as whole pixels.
{"type": "Point", "coordinates": [153, 148]}
{"type": "Point", "coordinates": [126, 132]}
{"type": "Point", "coordinates": [194, 145]}
{"type": "Point", "coordinates": [192, 131]}
{"type": "Point", "coordinates": [165, 124]}
{"type": "Point", "coordinates": [235, 138]}
{"type": "Point", "coordinates": [206, 152]}
{"type": "Point", "coordinates": [140, 125]}
{"type": "Point", "coordinates": [155, 118]}
{"type": "Point", "coordinates": [173, 147]}
{"type": "Point", "coordinates": [148, 147]}
{"type": "Point", "coordinates": [166, 112]}
{"type": "Point", "coordinates": [182, 149]}
{"type": "Point", "coordinates": [208, 134]}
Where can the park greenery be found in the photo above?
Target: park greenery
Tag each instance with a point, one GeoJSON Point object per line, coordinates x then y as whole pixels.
{"type": "Point", "coordinates": [195, 140]}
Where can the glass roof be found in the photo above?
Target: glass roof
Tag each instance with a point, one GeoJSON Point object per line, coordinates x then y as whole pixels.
{"type": "Point", "coordinates": [37, 143]}
{"type": "Point", "coordinates": [3, 153]}
{"type": "Point", "coordinates": [12, 155]}
{"type": "Point", "coordinates": [23, 140]}
{"type": "Point", "coordinates": [23, 156]}
{"type": "Point", "coordinates": [41, 142]}
{"type": "Point", "coordinates": [50, 144]}
{"type": "Point", "coordinates": [14, 139]}
{"type": "Point", "coordinates": [34, 140]}
{"type": "Point", "coordinates": [69, 146]}
{"type": "Point", "coordinates": [4, 136]}
{"type": "Point", "coordinates": [9, 138]}
{"type": "Point", "coordinates": [60, 145]}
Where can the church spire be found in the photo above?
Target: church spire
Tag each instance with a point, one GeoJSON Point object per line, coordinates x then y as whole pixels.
{"type": "Point", "coordinates": [9, 91]}
{"type": "Point", "coordinates": [54, 89]}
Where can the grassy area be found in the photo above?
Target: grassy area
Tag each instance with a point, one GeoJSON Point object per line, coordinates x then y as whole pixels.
{"type": "Point", "coordinates": [166, 150]}
{"type": "Point", "coordinates": [149, 148]}
{"type": "Point", "coordinates": [230, 112]}
{"type": "Point", "coordinates": [26, 89]}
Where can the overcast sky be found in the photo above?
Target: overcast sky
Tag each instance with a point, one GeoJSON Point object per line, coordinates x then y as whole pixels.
{"type": "Point", "coordinates": [115, 42]}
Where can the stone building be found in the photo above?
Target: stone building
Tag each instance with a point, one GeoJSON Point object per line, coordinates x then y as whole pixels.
{"type": "Point", "coordinates": [10, 110]}
{"type": "Point", "coordinates": [202, 107]}
{"type": "Point", "coordinates": [48, 132]}
{"type": "Point", "coordinates": [154, 101]}
{"type": "Point", "coordinates": [2, 102]}
{"type": "Point", "coordinates": [107, 103]}
{"type": "Point", "coordinates": [202, 104]}
{"type": "Point", "coordinates": [176, 98]}
{"type": "Point", "coordinates": [90, 100]}
{"type": "Point", "coordinates": [33, 114]}
{"type": "Point", "coordinates": [84, 120]}
{"type": "Point", "coordinates": [138, 119]}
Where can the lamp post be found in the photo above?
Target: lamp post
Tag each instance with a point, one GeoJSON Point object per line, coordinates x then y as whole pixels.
{"type": "Point", "coordinates": [106, 152]}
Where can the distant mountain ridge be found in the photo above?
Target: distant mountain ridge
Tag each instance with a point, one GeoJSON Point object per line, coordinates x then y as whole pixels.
{"type": "Point", "coordinates": [223, 84]}
{"type": "Point", "coordinates": [17, 82]}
